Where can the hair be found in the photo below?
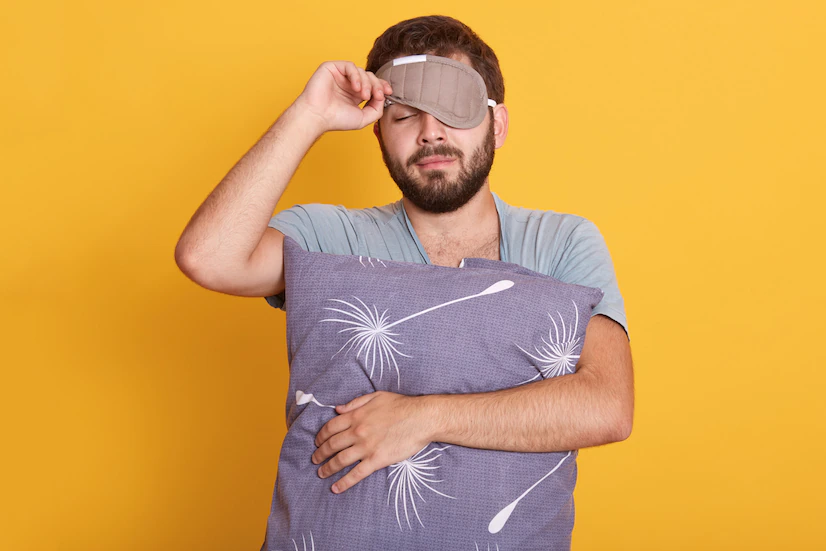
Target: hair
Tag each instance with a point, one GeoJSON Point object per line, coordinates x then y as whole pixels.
{"type": "Point", "coordinates": [443, 36]}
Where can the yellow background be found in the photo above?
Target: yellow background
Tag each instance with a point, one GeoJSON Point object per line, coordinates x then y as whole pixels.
{"type": "Point", "coordinates": [141, 411]}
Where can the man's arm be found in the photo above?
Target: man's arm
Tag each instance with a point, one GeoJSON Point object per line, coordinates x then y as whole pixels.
{"type": "Point", "coordinates": [227, 246]}
{"type": "Point", "coordinates": [592, 406]}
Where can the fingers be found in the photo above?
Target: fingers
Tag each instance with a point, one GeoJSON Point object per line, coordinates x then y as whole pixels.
{"type": "Point", "coordinates": [333, 426]}
{"type": "Point", "coordinates": [342, 459]}
{"type": "Point", "coordinates": [364, 84]}
{"type": "Point", "coordinates": [373, 86]}
{"type": "Point", "coordinates": [374, 109]}
{"type": "Point", "coordinates": [356, 475]}
{"type": "Point", "coordinates": [361, 86]}
{"type": "Point", "coordinates": [378, 85]}
{"type": "Point", "coordinates": [365, 87]}
{"type": "Point", "coordinates": [360, 83]}
{"type": "Point", "coordinates": [335, 444]}
{"type": "Point", "coordinates": [356, 402]}
{"type": "Point", "coordinates": [353, 75]}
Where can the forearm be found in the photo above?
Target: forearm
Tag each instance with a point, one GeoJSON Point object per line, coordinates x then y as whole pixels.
{"type": "Point", "coordinates": [227, 227]}
{"type": "Point", "coordinates": [562, 413]}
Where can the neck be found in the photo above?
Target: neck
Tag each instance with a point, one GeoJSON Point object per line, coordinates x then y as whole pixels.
{"type": "Point", "coordinates": [477, 217]}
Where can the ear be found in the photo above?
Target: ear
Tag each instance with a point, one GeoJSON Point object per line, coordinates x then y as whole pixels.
{"type": "Point", "coordinates": [377, 130]}
{"type": "Point", "coordinates": [500, 124]}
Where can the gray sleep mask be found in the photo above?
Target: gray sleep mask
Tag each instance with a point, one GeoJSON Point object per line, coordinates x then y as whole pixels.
{"type": "Point", "coordinates": [448, 89]}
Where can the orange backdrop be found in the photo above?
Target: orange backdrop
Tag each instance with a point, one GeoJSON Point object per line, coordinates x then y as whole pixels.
{"type": "Point", "coordinates": [141, 411]}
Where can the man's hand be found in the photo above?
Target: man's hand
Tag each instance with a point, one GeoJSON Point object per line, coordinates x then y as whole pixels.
{"type": "Point", "coordinates": [336, 89]}
{"type": "Point", "coordinates": [378, 429]}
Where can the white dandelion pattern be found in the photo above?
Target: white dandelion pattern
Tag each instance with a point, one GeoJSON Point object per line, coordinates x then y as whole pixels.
{"type": "Point", "coordinates": [302, 398]}
{"type": "Point", "coordinates": [498, 522]}
{"type": "Point", "coordinates": [371, 330]}
{"type": "Point", "coordinates": [304, 543]}
{"type": "Point", "coordinates": [489, 547]}
{"type": "Point", "coordinates": [370, 261]}
{"type": "Point", "coordinates": [559, 354]}
{"type": "Point", "coordinates": [408, 476]}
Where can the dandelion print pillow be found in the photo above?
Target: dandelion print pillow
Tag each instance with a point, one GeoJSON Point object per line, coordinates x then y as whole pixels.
{"type": "Point", "coordinates": [357, 325]}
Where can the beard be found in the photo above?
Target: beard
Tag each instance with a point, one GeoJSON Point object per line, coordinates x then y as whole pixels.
{"type": "Point", "coordinates": [438, 194]}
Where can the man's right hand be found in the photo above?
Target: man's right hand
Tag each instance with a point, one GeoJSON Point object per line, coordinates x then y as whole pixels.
{"type": "Point", "coordinates": [335, 91]}
{"type": "Point", "coordinates": [227, 245]}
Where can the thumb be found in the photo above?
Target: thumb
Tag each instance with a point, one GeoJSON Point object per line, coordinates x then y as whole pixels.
{"type": "Point", "coordinates": [372, 110]}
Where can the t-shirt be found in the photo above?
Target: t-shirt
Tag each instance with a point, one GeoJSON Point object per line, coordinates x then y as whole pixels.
{"type": "Point", "coordinates": [564, 246]}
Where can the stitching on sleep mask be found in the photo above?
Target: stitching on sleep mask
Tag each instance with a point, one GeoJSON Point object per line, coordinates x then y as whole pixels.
{"type": "Point", "coordinates": [432, 70]}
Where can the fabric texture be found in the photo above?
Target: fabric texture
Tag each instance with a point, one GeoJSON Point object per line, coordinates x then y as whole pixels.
{"type": "Point", "coordinates": [565, 246]}
{"type": "Point", "coordinates": [450, 90]}
{"type": "Point", "coordinates": [357, 325]}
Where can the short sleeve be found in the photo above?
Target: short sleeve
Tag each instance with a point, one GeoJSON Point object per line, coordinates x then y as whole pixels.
{"type": "Point", "coordinates": [316, 227]}
{"type": "Point", "coordinates": [585, 260]}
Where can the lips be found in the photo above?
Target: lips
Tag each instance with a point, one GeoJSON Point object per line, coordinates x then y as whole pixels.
{"type": "Point", "coordinates": [435, 160]}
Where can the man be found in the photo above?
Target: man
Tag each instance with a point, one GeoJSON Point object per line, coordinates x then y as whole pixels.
{"type": "Point", "coordinates": [234, 245]}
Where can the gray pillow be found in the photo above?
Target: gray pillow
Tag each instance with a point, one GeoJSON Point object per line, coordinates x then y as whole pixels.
{"type": "Point", "coordinates": [356, 325]}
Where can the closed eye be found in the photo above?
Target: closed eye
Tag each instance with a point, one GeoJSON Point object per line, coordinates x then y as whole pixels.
{"type": "Point", "coordinates": [405, 117]}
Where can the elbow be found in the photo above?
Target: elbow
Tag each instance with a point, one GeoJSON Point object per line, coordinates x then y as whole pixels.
{"type": "Point", "coordinates": [623, 432]}
{"type": "Point", "coordinates": [617, 419]}
{"type": "Point", "coordinates": [621, 426]}
{"type": "Point", "coordinates": [193, 268]}
{"type": "Point", "coordinates": [185, 261]}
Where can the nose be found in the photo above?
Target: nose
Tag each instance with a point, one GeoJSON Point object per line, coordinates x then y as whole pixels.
{"type": "Point", "coordinates": [431, 130]}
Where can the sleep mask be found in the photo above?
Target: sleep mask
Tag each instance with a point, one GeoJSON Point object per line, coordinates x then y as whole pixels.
{"type": "Point", "coordinates": [448, 89]}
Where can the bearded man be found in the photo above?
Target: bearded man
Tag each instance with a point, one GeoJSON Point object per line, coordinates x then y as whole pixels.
{"type": "Point", "coordinates": [438, 143]}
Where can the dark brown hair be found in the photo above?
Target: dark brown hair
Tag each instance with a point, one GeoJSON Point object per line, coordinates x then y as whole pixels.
{"type": "Point", "coordinates": [443, 36]}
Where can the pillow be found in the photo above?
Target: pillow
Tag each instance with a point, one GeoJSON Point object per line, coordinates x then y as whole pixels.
{"type": "Point", "coordinates": [357, 325]}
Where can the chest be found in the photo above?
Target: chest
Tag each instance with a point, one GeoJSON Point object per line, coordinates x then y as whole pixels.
{"type": "Point", "coordinates": [450, 253]}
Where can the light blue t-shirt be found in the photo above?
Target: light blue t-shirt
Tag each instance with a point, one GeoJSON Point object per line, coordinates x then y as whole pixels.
{"type": "Point", "coordinates": [565, 246]}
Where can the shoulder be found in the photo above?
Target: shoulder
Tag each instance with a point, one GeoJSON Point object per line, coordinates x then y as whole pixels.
{"type": "Point", "coordinates": [540, 221]}
{"type": "Point", "coordinates": [538, 238]}
{"type": "Point", "coordinates": [323, 227]}
{"type": "Point", "coordinates": [568, 247]}
{"type": "Point", "coordinates": [324, 212]}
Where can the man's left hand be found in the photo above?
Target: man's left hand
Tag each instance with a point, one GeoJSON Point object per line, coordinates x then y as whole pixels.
{"type": "Point", "coordinates": [377, 429]}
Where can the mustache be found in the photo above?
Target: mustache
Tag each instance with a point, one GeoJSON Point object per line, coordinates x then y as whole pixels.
{"type": "Point", "coordinates": [428, 151]}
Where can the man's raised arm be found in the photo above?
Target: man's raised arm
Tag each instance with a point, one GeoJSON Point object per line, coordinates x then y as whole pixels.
{"type": "Point", "coordinates": [227, 245]}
